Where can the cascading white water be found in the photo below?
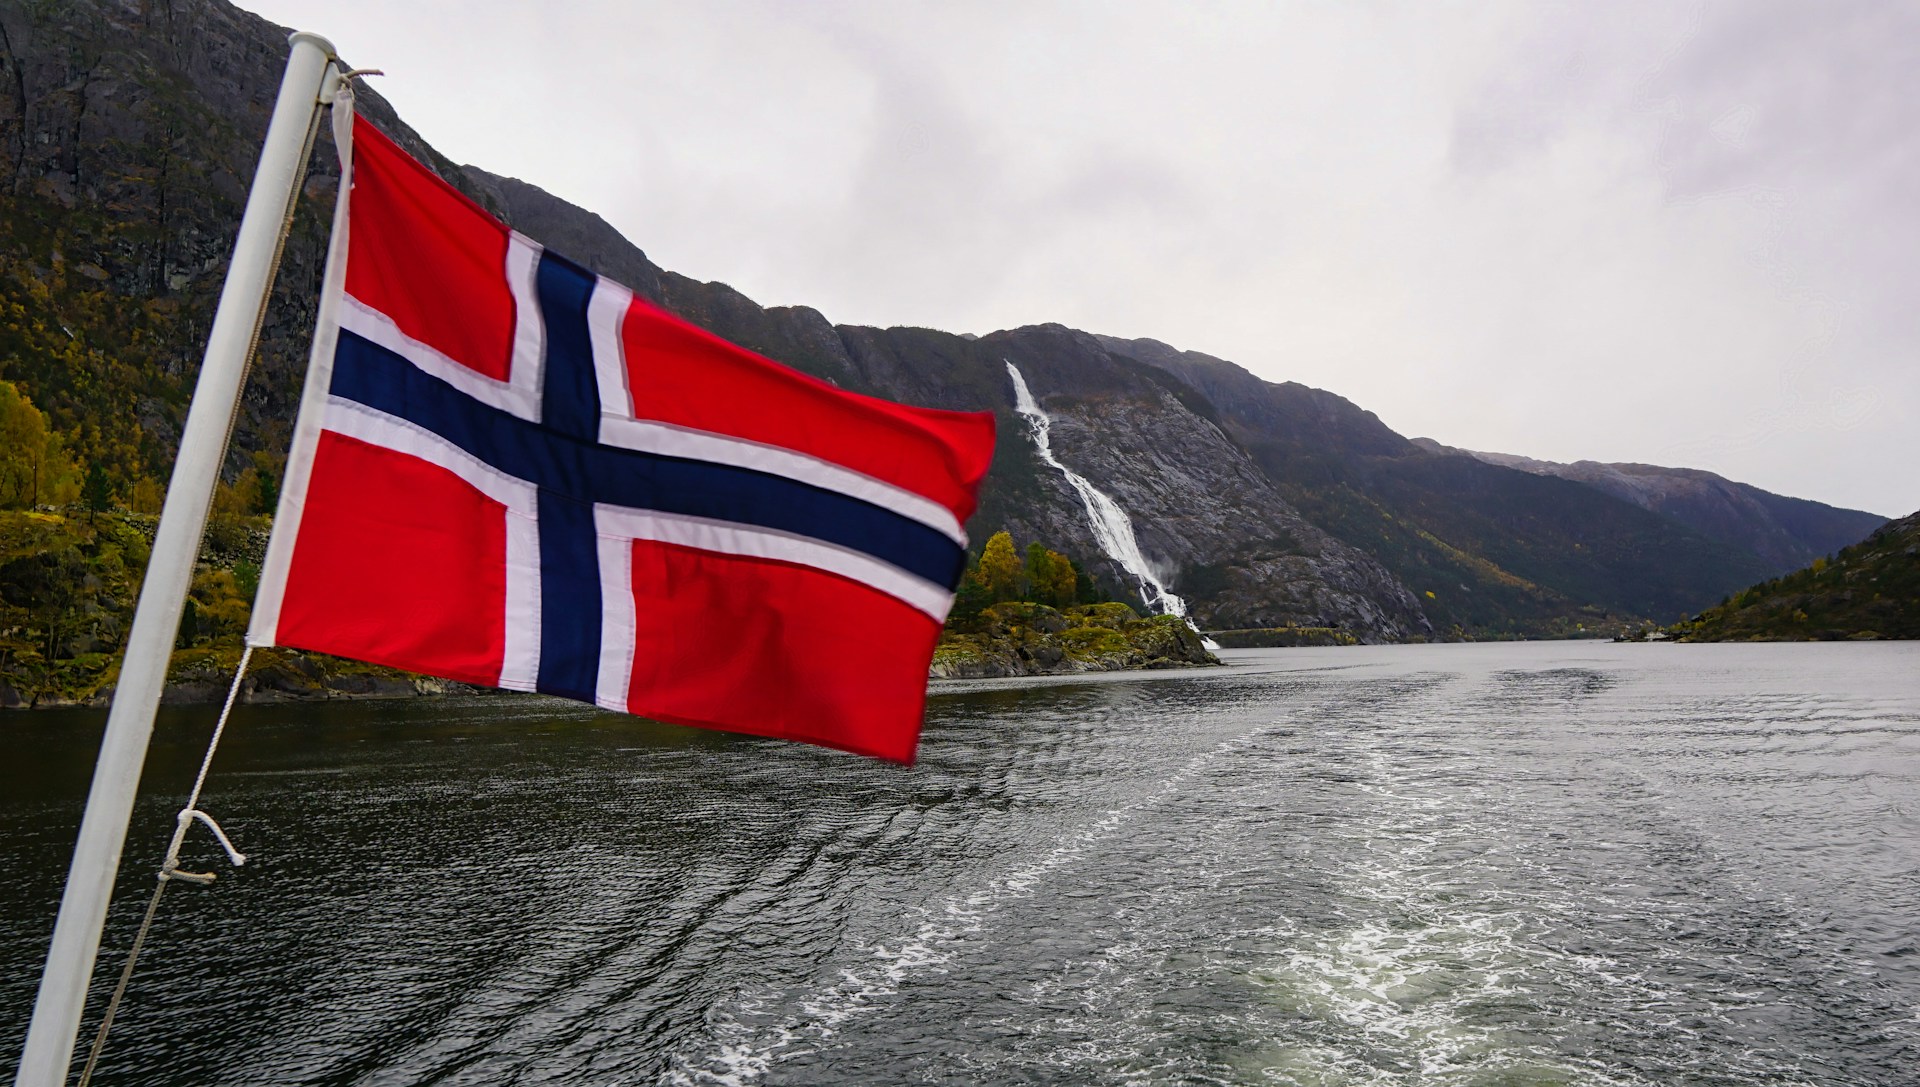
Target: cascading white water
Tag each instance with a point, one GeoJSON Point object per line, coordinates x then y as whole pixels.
{"type": "Point", "coordinates": [1112, 528]}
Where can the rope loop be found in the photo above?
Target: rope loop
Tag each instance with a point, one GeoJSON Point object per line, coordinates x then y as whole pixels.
{"type": "Point", "coordinates": [238, 858]}
{"type": "Point", "coordinates": [170, 870]}
{"type": "Point", "coordinates": [341, 84]}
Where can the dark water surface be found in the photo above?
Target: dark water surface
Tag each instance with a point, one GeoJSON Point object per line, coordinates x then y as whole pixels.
{"type": "Point", "coordinates": [1485, 864]}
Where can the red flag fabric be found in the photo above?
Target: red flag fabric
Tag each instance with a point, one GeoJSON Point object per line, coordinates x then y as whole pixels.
{"type": "Point", "coordinates": [512, 472]}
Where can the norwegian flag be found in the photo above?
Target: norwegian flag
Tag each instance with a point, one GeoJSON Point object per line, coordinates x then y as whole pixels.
{"type": "Point", "coordinates": [511, 472]}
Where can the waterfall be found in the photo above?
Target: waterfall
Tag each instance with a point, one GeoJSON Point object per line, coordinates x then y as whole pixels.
{"type": "Point", "coordinates": [1112, 529]}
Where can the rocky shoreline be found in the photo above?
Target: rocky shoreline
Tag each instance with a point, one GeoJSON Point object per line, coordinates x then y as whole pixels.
{"type": "Point", "coordinates": [1026, 639]}
{"type": "Point", "coordinates": [1018, 639]}
{"type": "Point", "coordinates": [201, 676]}
{"type": "Point", "coordinates": [1283, 637]}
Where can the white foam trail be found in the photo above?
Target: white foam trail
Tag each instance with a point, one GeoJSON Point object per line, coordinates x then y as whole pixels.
{"type": "Point", "coordinates": [1112, 528]}
{"type": "Point", "coordinates": [744, 1052]}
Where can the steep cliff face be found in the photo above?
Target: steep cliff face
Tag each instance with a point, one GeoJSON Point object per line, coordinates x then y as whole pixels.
{"type": "Point", "coordinates": [1222, 534]}
{"type": "Point", "coordinates": [128, 138]}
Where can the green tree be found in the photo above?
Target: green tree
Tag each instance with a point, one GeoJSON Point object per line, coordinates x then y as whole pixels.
{"type": "Point", "coordinates": [97, 491]}
{"type": "Point", "coordinates": [1000, 568]}
{"type": "Point", "coordinates": [267, 468]}
{"type": "Point", "coordinates": [1063, 580]}
{"type": "Point", "coordinates": [34, 468]}
{"type": "Point", "coordinates": [1039, 571]}
{"type": "Point", "coordinates": [1084, 590]}
{"type": "Point", "coordinates": [969, 600]}
{"type": "Point", "coordinates": [1052, 578]}
{"type": "Point", "coordinates": [46, 594]}
{"type": "Point", "coordinates": [267, 495]}
{"type": "Point", "coordinates": [189, 626]}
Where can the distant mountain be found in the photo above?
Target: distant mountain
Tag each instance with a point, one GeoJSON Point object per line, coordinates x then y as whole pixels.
{"type": "Point", "coordinates": [1868, 590]}
{"type": "Point", "coordinates": [1787, 533]}
{"type": "Point", "coordinates": [1491, 550]}
{"type": "Point", "coordinates": [128, 133]}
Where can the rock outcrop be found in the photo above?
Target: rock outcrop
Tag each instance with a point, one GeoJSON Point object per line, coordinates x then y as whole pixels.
{"type": "Point", "coordinates": [1228, 541]}
{"type": "Point", "coordinates": [1026, 639]}
{"type": "Point", "coordinates": [1491, 549]}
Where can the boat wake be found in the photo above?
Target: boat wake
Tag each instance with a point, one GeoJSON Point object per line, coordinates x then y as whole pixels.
{"type": "Point", "coordinates": [746, 1047]}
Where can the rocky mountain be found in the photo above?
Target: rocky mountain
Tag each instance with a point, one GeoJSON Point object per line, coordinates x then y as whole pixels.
{"type": "Point", "coordinates": [1788, 533]}
{"type": "Point", "coordinates": [127, 134]}
{"type": "Point", "coordinates": [1491, 549]}
{"type": "Point", "coordinates": [1199, 505]}
{"type": "Point", "coordinates": [128, 137]}
{"type": "Point", "coordinates": [1868, 591]}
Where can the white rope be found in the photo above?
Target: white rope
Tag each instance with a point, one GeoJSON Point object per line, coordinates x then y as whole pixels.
{"type": "Point", "coordinates": [170, 867]}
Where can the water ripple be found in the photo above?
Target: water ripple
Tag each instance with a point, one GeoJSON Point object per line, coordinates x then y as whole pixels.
{"type": "Point", "coordinates": [1453, 865]}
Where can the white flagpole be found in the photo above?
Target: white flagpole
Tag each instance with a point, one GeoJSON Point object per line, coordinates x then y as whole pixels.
{"type": "Point", "coordinates": [203, 444]}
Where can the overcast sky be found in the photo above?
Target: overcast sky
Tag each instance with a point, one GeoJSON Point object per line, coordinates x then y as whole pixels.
{"type": "Point", "coordinates": [1685, 234]}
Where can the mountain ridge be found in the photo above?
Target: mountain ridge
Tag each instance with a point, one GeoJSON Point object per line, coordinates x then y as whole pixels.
{"type": "Point", "coordinates": [1470, 534]}
{"type": "Point", "coordinates": [1787, 532]}
{"type": "Point", "coordinates": [1269, 505]}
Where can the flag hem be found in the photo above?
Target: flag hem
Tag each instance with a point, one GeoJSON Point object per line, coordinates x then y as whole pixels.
{"type": "Point", "coordinates": [263, 626]}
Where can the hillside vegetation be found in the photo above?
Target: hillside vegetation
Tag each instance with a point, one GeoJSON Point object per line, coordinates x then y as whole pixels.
{"type": "Point", "coordinates": [69, 580]}
{"type": "Point", "coordinates": [1868, 591]}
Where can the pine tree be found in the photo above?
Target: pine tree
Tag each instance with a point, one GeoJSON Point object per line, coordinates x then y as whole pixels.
{"type": "Point", "coordinates": [189, 626]}
{"type": "Point", "coordinates": [267, 496]}
{"type": "Point", "coordinates": [969, 600]}
{"type": "Point", "coordinates": [1084, 590]}
{"type": "Point", "coordinates": [97, 491]}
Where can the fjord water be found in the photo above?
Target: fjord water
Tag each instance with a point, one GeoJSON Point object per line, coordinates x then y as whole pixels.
{"type": "Point", "coordinates": [1540, 863]}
